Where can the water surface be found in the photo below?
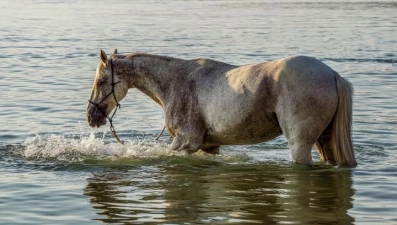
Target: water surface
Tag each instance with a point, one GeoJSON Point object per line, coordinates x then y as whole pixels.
{"type": "Point", "coordinates": [55, 169]}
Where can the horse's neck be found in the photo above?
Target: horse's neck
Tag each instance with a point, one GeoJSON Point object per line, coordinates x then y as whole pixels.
{"type": "Point", "coordinates": [156, 75]}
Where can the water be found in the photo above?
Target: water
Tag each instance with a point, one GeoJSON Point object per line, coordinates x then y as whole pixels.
{"type": "Point", "coordinates": [54, 169]}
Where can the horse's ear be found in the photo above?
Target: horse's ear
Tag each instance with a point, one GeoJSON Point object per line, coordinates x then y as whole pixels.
{"type": "Point", "coordinates": [115, 51]}
{"type": "Point", "coordinates": [104, 57]}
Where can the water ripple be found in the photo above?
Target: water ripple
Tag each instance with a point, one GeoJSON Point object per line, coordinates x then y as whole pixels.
{"type": "Point", "coordinates": [360, 60]}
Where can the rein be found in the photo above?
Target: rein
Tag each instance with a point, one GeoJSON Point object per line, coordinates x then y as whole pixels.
{"type": "Point", "coordinates": [118, 106]}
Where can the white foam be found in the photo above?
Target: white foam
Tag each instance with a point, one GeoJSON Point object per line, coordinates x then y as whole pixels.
{"type": "Point", "coordinates": [57, 147]}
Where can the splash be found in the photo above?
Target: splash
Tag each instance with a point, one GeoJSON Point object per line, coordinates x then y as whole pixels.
{"type": "Point", "coordinates": [93, 149]}
{"type": "Point", "coordinates": [89, 147]}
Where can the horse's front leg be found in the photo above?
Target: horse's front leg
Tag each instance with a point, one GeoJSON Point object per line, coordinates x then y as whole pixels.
{"type": "Point", "coordinates": [184, 122]}
{"type": "Point", "coordinates": [190, 143]}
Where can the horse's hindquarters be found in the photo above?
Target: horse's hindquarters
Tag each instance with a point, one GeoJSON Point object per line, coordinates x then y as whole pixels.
{"type": "Point", "coordinates": [307, 103]}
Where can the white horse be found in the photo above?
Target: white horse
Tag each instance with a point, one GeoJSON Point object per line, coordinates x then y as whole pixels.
{"type": "Point", "coordinates": [208, 103]}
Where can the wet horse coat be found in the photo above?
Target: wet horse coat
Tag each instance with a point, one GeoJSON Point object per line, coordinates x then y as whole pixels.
{"type": "Point", "coordinates": [208, 103]}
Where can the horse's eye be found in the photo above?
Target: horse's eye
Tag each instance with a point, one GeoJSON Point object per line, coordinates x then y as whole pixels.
{"type": "Point", "coordinates": [100, 82]}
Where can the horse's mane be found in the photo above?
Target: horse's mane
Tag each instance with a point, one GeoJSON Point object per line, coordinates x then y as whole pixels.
{"type": "Point", "coordinates": [136, 54]}
{"type": "Point", "coordinates": [126, 56]}
{"type": "Point", "coordinates": [141, 54]}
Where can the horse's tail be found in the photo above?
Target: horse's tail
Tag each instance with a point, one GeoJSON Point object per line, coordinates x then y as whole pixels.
{"type": "Point", "coordinates": [341, 133]}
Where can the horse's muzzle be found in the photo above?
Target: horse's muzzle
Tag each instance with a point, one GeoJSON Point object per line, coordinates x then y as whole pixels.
{"type": "Point", "coordinates": [95, 116]}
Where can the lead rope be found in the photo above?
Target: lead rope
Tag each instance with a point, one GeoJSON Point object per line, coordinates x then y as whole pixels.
{"type": "Point", "coordinates": [114, 133]}
{"type": "Point", "coordinates": [118, 106]}
{"type": "Point", "coordinates": [161, 133]}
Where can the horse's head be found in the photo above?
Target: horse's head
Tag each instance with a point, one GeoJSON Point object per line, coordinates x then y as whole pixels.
{"type": "Point", "coordinates": [108, 90]}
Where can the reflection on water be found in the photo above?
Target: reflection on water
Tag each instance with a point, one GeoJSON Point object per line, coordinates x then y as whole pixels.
{"type": "Point", "coordinates": [216, 193]}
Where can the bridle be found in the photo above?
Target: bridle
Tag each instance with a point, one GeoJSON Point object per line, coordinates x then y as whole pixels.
{"type": "Point", "coordinates": [118, 106]}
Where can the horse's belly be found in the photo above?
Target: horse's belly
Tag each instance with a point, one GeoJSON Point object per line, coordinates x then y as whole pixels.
{"type": "Point", "coordinates": [252, 129]}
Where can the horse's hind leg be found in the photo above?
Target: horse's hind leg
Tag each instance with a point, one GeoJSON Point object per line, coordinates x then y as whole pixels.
{"type": "Point", "coordinates": [189, 143]}
{"type": "Point", "coordinates": [324, 147]}
{"type": "Point", "coordinates": [301, 137]}
{"type": "Point", "coordinates": [301, 152]}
